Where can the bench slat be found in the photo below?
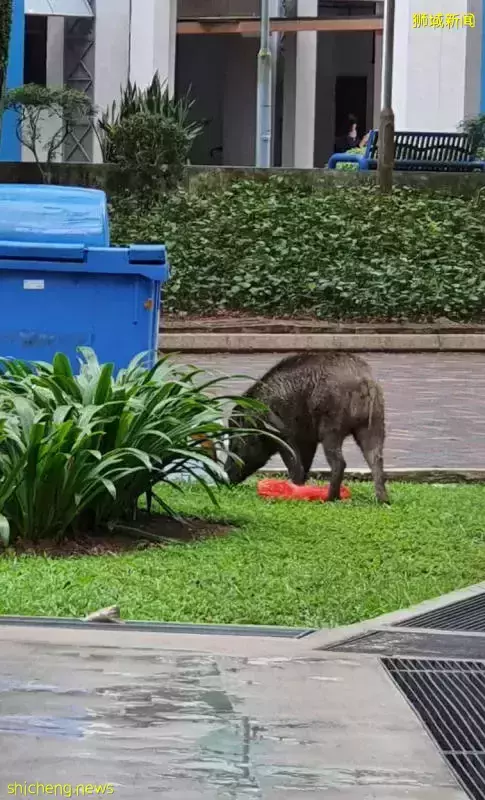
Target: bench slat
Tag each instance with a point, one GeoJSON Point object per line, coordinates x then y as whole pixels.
{"type": "Point", "coordinates": [426, 150]}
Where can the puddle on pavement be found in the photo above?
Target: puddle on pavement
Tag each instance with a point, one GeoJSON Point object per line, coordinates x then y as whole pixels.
{"type": "Point", "coordinates": [42, 726]}
{"type": "Point", "coordinates": [162, 726]}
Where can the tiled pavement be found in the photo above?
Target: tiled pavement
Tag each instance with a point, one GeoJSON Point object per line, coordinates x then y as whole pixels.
{"type": "Point", "coordinates": [435, 405]}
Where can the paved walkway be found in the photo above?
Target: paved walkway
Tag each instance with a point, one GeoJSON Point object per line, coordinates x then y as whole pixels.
{"type": "Point", "coordinates": [207, 718]}
{"type": "Point", "coordinates": [435, 405]}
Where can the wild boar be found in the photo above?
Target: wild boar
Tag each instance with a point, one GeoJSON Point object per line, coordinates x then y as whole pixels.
{"type": "Point", "coordinates": [312, 398]}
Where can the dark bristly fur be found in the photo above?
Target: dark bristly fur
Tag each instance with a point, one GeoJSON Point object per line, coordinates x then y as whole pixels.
{"type": "Point", "coordinates": [314, 398]}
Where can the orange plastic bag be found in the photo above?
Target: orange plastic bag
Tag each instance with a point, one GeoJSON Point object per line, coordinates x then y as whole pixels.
{"type": "Point", "coordinates": [274, 489]}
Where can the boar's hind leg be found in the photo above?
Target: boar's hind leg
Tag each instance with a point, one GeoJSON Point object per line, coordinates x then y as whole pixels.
{"type": "Point", "coordinates": [371, 442]}
{"type": "Point", "coordinates": [332, 446]}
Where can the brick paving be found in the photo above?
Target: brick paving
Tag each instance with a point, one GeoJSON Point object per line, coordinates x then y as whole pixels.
{"type": "Point", "coordinates": [435, 405]}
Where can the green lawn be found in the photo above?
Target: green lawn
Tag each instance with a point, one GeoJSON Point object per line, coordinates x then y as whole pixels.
{"type": "Point", "coordinates": [286, 563]}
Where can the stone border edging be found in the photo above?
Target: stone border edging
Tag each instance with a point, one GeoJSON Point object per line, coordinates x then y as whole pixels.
{"type": "Point", "coordinates": [152, 626]}
{"type": "Point", "coordinates": [199, 342]}
{"type": "Point", "coordinates": [441, 475]}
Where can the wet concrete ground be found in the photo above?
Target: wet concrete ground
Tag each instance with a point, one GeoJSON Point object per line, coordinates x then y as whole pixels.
{"type": "Point", "coordinates": [275, 720]}
{"type": "Point", "coordinates": [435, 405]}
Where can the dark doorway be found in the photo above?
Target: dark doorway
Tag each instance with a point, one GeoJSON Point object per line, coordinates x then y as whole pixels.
{"type": "Point", "coordinates": [35, 53]}
{"type": "Point", "coordinates": [350, 98]}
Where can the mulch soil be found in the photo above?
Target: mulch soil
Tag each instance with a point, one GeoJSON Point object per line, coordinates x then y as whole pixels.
{"type": "Point", "coordinates": [142, 534]}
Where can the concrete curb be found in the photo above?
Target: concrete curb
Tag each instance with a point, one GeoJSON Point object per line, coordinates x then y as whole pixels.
{"type": "Point", "coordinates": [326, 637]}
{"type": "Point", "coordinates": [199, 342]}
{"type": "Point", "coordinates": [410, 475]}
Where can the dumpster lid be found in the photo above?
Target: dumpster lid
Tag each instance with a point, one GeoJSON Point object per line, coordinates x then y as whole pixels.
{"type": "Point", "coordinates": [56, 214]}
{"type": "Point", "coordinates": [148, 261]}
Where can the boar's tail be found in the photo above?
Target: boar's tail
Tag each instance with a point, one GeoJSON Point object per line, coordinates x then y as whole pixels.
{"type": "Point", "coordinates": [368, 403]}
{"type": "Point", "coordinates": [375, 402]}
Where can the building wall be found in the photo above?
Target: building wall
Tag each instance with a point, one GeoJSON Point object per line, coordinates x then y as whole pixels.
{"type": "Point", "coordinates": [203, 75]}
{"type": "Point", "coordinates": [218, 8]}
{"type": "Point", "coordinates": [436, 80]}
{"type": "Point", "coordinates": [240, 92]}
{"type": "Point", "coordinates": [112, 61]}
{"type": "Point", "coordinates": [340, 54]}
{"type": "Point", "coordinates": [221, 72]}
{"type": "Point", "coordinates": [473, 79]}
{"type": "Point", "coordinates": [439, 75]}
{"type": "Point", "coordinates": [152, 38]}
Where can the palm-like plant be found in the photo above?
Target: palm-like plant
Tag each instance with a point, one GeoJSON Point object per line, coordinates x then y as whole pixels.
{"type": "Point", "coordinates": [78, 451]}
{"type": "Point", "coordinates": [155, 101]}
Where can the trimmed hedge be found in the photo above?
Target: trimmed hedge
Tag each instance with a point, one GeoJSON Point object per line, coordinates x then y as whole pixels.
{"type": "Point", "coordinates": [282, 247]}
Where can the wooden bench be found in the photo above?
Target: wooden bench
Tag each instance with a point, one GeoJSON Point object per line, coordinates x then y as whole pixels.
{"type": "Point", "coordinates": [427, 152]}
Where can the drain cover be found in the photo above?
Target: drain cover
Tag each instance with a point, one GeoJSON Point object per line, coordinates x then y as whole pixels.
{"type": "Point", "coordinates": [449, 697]}
{"type": "Point", "coordinates": [414, 643]}
{"type": "Point", "coordinates": [465, 615]}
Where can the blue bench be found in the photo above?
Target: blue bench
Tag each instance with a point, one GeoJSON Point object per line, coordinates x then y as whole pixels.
{"type": "Point", "coordinates": [426, 152]}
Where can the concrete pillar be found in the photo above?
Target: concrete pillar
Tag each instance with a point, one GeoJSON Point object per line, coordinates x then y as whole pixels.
{"type": "Point", "coordinates": [442, 61]}
{"type": "Point", "coordinates": [111, 56]}
{"type": "Point", "coordinates": [10, 148]}
{"type": "Point", "coordinates": [300, 93]}
{"type": "Point", "coordinates": [153, 41]}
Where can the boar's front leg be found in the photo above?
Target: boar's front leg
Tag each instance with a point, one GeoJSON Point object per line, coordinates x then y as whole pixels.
{"type": "Point", "coordinates": [332, 445]}
{"type": "Point", "coordinates": [299, 462]}
{"type": "Point", "coordinates": [299, 459]}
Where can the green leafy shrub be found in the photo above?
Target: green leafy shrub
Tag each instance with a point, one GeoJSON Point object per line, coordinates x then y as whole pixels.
{"type": "Point", "coordinates": [283, 247]}
{"type": "Point", "coordinates": [151, 150]}
{"type": "Point", "coordinates": [475, 128]}
{"type": "Point", "coordinates": [149, 135]}
{"type": "Point", "coordinates": [35, 105]}
{"type": "Point", "coordinates": [78, 451]}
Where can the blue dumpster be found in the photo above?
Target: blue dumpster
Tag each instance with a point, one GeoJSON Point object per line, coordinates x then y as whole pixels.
{"type": "Point", "coordinates": [62, 285]}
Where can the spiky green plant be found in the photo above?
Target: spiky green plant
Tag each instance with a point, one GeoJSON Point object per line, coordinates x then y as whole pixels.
{"type": "Point", "coordinates": [78, 451]}
{"type": "Point", "coordinates": [149, 134]}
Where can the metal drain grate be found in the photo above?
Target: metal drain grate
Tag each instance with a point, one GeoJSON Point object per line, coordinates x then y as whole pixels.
{"type": "Point", "coordinates": [421, 644]}
{"type": "Point", "coordinates": [449, 697]}
{"type": "Point", "coordinates": [465, 615]}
